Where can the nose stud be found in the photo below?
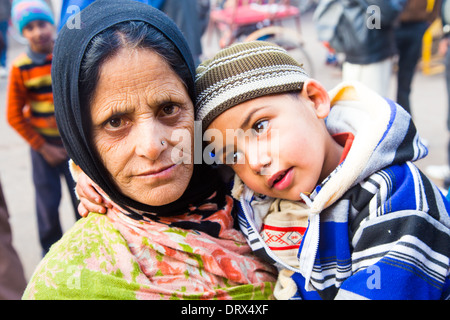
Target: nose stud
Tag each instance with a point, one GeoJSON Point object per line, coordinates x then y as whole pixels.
{"type": "Point", "coordinates": [163, 142]}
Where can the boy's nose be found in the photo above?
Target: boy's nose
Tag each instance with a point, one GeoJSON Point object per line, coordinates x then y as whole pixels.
{"type": "Point", "coordinates": [260, 163]}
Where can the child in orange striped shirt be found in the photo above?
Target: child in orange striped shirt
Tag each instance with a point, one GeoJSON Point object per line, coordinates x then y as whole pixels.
{"type": "Point", "coordinates": [30, 111]}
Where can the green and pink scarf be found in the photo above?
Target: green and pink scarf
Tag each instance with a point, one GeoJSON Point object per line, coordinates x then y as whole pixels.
{"type": "Point", "coordinates": [116, 256]}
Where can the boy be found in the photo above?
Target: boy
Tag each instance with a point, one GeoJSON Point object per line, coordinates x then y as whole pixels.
{"type": "Point", "coordinates": [325, 183]}
{"type": "Point", "coordinates": [377, 228]}
{"type": "Point", "coordinates": [30, 111]}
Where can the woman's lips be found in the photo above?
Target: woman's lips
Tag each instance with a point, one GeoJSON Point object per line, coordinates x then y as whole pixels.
{"type": "Point", "coordinates": [281, 180]}
{"type": "Point", "coordinates": [158, 173]}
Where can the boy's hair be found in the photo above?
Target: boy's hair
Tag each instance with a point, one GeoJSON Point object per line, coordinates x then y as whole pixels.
{"type": "Point", "coordinates": [25, 11]}
{"type": "Point", "coordinates": [243, 72]}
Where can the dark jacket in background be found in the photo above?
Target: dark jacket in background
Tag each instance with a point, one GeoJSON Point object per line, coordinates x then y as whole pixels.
{"type": "Point", "coordinates": [416, 10]}
{"type": "Point", "coordinates": [380, 43]}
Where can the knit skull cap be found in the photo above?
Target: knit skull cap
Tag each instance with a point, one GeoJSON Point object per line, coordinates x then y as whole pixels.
{"type": "Point", "coordinates": [25, 11]}
{"type": "Point", "coordinates": [242, 72]}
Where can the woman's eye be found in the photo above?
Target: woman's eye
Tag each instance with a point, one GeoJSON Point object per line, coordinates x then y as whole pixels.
{"type": "Point", "coordinates": [115, 123]}
{"type": "Point", "coordinates": [260, 126]}
{"type": "Point", "coordinates": [170, 110]}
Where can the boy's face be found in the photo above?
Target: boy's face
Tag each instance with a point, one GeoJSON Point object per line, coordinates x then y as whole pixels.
{"type": "Point", "coordinates": [285, 148]}
{"type": "Point", "coordinates": [40, 36]}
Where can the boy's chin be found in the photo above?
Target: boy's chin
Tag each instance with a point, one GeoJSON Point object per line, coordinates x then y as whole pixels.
{"type": "Point", "coordinates": [42, 48]}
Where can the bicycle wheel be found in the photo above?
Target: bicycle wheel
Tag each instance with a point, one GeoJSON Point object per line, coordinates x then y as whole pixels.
{"type": "Point", "coordinates": [289, 40]}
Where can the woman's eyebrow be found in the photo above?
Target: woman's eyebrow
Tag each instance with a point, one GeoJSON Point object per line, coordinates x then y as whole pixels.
{"type": "Point", "coordinates": [156, 101]}
{"type": "Point", "coordinates": [164, 98]}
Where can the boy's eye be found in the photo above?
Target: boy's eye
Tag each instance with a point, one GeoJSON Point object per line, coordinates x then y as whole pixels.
{"type": "Point", "coordinates": [260, 126]}
{"type": "Point", "coordinates": [234, 158]}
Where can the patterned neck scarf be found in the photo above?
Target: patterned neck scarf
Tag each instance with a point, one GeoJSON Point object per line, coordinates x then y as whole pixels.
{"type": "Point", "coordinates": [197, 254]}
{"type": "Point", "coordinates": [115, 256]}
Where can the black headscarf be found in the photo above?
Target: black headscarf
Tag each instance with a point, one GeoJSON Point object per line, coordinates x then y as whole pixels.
{"type": "Point", "coordinates": [72, 118]}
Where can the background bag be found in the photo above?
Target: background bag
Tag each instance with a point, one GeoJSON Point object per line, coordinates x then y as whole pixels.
{"type": "Point", "coordinates": [345, 24]}
{"type": "Point", "coordinates": [342, 24]}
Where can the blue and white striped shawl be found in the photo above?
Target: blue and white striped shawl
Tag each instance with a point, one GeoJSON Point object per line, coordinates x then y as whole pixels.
{"type": "Point", "coordinates": [378, 228]}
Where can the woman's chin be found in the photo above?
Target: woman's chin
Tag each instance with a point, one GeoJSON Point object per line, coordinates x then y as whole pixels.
{"type": "Point", "coordinates": [160, 195]}
{"type": "Point", "coordinates": [163, 199]}
{"type": "Point", "coordinates": [158, 191]}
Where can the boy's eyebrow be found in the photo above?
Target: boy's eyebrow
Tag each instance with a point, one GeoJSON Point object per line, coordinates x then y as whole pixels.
{"type": "Point", "coordinates": [247, 119]}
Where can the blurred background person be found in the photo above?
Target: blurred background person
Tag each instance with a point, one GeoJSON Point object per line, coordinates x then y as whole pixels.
{"type": "Point", "coordinates": [442, 172]}
{"type": "Point", "coordinates": [12, 279]}
{"type": "Point", "coordinates": [31, 112]}
{"type": "Point", "coordinates": [5, 14]}
{"type": "Point", "coordinates": [414, 21]}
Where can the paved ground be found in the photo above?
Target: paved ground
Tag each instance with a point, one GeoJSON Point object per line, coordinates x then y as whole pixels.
{"type": "Point", "coordinates": [429, 105]}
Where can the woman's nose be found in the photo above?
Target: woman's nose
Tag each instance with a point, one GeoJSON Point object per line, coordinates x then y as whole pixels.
{"type": "Point", "coordinates": [150, 141]}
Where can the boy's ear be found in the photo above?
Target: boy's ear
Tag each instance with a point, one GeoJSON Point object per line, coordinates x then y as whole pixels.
{"type": "Point", "coordinates": [314, 92]}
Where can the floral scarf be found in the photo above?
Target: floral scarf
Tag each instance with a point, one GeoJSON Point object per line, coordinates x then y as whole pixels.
{"type": "Point", "coordinates": [116, 256]}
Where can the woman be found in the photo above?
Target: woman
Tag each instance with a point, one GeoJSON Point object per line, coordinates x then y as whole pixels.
{"type": "Point", "coordinates": [123, 87]}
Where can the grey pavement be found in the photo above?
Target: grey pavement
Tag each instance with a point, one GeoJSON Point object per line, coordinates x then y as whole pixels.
{"type": "Point", "coordinates": [429, 107]}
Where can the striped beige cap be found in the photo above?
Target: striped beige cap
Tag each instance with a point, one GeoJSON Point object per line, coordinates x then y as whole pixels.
{"type": "Point", "coordinates": [242, 72]}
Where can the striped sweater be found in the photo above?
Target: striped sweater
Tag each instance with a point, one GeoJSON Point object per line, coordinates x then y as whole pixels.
{"type": "Point", "coordinates": [30, 108]}
{"type": "Point", "coordinates": [378, 228]}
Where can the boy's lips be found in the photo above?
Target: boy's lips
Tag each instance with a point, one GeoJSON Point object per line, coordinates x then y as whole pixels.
{"type": "Point", "coordinates": [281, 179]}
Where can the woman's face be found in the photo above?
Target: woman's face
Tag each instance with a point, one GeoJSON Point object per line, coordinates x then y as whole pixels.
{"type": "Point", "coordinates": [143, 123]}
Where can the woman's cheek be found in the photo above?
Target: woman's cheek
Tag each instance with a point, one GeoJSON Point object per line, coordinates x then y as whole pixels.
{"type": "Point", "coordinates": [111, 152]}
